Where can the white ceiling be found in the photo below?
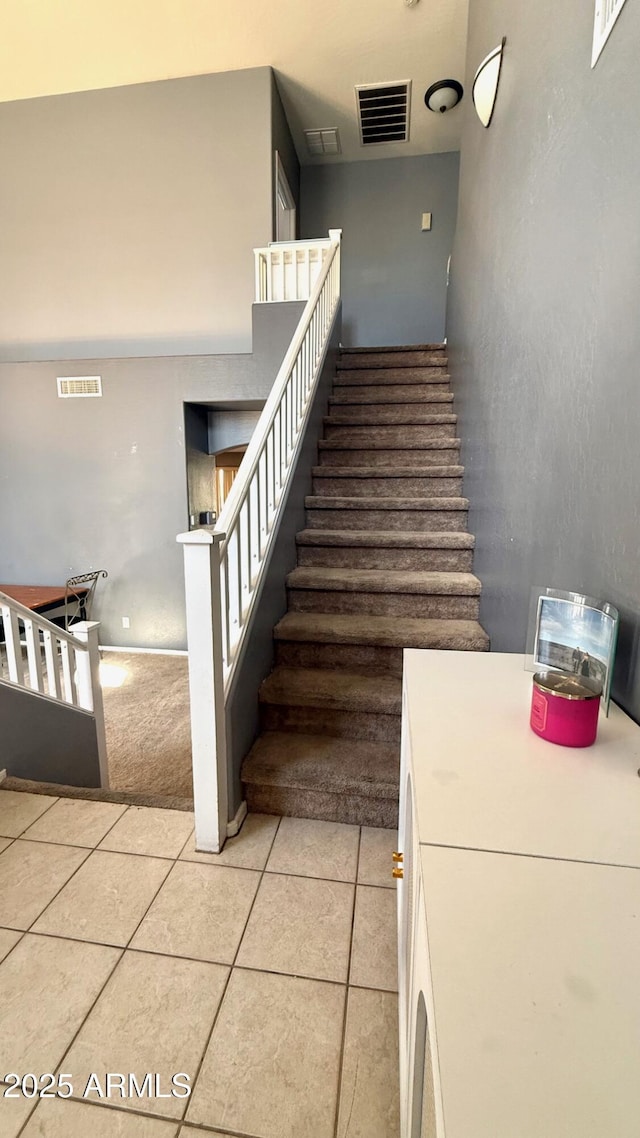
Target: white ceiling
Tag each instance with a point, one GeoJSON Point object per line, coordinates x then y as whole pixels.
{"type": "Point", "coordinates": [320, 51]}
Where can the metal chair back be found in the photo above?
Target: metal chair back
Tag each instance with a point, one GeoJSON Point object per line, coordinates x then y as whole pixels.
{"type": "Point", "coordinates": [78, 596]}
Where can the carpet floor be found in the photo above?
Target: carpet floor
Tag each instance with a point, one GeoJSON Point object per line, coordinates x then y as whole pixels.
{"type": "Point", "coordinates": [147, 723]}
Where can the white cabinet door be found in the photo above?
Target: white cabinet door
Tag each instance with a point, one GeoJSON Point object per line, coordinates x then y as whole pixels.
{"type": "Point", "coordinates": [424, 1117]}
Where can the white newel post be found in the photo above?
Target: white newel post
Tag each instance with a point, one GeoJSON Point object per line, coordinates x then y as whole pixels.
{"type": "Point", "coordinates": [87, 666]}
{"type": "Point", "coordinates": [206, 686]}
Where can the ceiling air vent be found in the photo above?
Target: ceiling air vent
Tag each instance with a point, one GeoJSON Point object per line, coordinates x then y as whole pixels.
{"type": "Point", "coordinates": [79, 386]}
{"type": "Point", "coordinates": [324, 141]}
{"type": "Point", "coordinates": [607, 12]}
{"type": "Point", "coordinates": [383, 112]}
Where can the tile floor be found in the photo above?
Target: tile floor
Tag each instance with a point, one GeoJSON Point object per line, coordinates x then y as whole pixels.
{"type": "Point", "coordinates": [265, 973]}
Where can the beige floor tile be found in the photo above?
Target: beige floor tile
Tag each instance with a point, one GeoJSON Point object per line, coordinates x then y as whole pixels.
{"type": "Point", "coordinates": [62, 1118]}
{"type": "Point", "coordinates": [374, 952]}
{"type": "Point", "coordinates": [4, 842]}
{"type": "Point", "coordinates": [144, 830]}
{"type": "Point", "coordinates": [300, 926]}
{"type": "Point", "coordinates": [370, 1091]}
{"type": "Point", "coordinates": [201, 911]}
{"type": "Point", "coordinates": [271, 1068]}
{"type": "Point", "coordinates": [375, 864]}
{"type": "Point", "coordinates": [13, 1114]}
{"type": "Point", "coordinates": [106, 899]}
{"type": "Point", "coordinates": [196, 1132]}
{"type": "Point", "coordinates": [17, 811]}
{"type": "Point", "coordinates": [249, 850]}
{"type": "Point", "coordinates": [8, 938]}
{"type": "Point", "coordinates": [76, 822]}
{"type": "Point", "coordinates": [31, 873]}
{"type": "Point", "coordinates": [315, 849]}
{"type": "Point", "coordinates": [154, 1015]}
{"type": "Point", "coordinates": [48, 985]}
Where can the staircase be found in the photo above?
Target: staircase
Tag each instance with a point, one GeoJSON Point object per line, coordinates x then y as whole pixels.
{"type": "Point", "coordinates": [384, 563]}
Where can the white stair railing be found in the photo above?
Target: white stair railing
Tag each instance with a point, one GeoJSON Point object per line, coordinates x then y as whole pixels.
{"type": "Point", "coordinates": [59, 665]}
{"type": "Point", "coordinates": [288, 270]}
{"type": "Point", "coordinates": [224, 564]}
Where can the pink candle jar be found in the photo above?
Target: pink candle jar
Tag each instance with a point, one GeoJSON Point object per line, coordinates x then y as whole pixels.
{"type": "Point", "coordinates": [564, 708]}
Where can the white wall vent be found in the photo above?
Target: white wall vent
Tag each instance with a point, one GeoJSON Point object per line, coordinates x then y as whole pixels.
{"type": "Point", "coordinates": [607, 12]}
{"type": "Point", "coordinates": [383, 112]}
{"type": "Point", "coordinates": [324, 141]}
{"type": "Point", "coordinates": [79, 386]}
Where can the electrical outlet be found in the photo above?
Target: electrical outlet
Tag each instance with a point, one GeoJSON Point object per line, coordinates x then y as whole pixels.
{"type": "Point", "coordinates": [426, 222]}
{"type": "Point", "coordinates": [126, 623]}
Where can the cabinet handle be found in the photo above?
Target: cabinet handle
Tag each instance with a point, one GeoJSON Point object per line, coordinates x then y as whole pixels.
{"type": "Point", "coordinates": [397, 857]}
{"type": "Point", "coordinates": [397, 872]}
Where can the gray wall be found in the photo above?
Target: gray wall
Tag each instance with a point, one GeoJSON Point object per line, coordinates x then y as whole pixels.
{"type": "Point", "coordinates": [393, 275]}
{"type": "Point", "coordinates": [128, 217]}
{"type": "Point", "coordinates": [543, 322]}
{"type": "Point", "coordinates": [257, 659]}
{"type": "Point", "coordinates": [102, 482]}
{"type": "Point", "coordinates": [46, 741]}
{"type": "Point", "coordinates": [231, 428]}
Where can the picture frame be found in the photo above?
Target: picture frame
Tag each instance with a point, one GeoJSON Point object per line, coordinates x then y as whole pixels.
{"type": "Point", "coordinates": [571, 632]}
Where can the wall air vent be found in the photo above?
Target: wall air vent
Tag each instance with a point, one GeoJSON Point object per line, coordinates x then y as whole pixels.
{"type": "Point", "coordinates": [324, 141]}
{"type": "Point", "coordinates": [607, 12]}
{"type": "Point", "coordinates": [383, 112]}
{"type": "Point", "coordinates": [79, 386]}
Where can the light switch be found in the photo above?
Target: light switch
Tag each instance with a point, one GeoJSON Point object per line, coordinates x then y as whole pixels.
{"type": "Point", "coordinates": [426, 222]}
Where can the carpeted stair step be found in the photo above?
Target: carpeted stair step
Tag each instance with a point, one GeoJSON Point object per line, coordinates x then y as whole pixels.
{"type": "Point", "coordinates": [400, 359]}
{"type": "Point", "coordinates": [353, 402]}
{"type": "Point", "coordinates": [384, 592]}
{"type": "Point", "coordinates": [432, 452]}
{"type": "Point", "coordinates": [374, 414]}
{"type": "Point", "coordinates": [385, 549]}
{"type": "Point", "coordinates": [399, 414]}
{"type": "Point", "coordinates": [373, 513]}
{"type": "Point", "coordinates": [316, 776]}
{"type": "Point", "coordinates": [405, 481]}
{"type": "Point", "coordinates": [371, 644]}
{"type": "Point", "coordinates": [380, 377]}
{"type": "Point", "coordinates": [385, 349]}
{"type": "Point", "coordinates": [319, 701]}
{"type": "Point", "coordinates": [390, 434]}
{"type": "Point", "coordinates": [403, 428]}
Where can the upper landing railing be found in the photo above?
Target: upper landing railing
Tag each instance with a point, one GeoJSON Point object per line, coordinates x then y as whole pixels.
{"type": "Point", "coordinates": [224, 564]}
{"type": "Point", "coordinates": [59, 665]}
{"type": "Point", "coordinates": [288, 270]}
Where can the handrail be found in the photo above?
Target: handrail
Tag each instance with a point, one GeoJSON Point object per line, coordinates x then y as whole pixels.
{"type": "Point", "coordinates": [287, 404]}
{"type": "Point", "coordinates": [225, 564]}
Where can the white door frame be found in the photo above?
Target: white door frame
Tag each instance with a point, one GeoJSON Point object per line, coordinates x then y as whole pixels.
{"type": "Point", "coordinates": [285, 204]}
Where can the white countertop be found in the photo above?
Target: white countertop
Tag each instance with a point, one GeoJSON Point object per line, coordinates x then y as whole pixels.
{"type": "Point", "coordinates": [484, 781]}
{"type": "Point", "coordinates": [535, 966]}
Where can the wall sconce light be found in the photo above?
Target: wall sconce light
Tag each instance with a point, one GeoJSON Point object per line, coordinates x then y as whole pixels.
{"type": "Point", "coordinates": [485, 84]}
{"type": "Point", "coordinates": [444, 95]}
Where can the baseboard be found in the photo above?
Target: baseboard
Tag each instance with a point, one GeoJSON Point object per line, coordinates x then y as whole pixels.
{"type": "Point", "coordinates": [146, 651]}
{"type": "Point", "coordinates": [234, 825]}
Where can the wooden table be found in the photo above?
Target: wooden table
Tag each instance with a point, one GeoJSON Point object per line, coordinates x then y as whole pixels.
{"type": "Point", "coordinates": [40, 598]}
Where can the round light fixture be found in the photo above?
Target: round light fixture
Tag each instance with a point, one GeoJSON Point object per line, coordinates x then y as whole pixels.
{"type": "Point", "coordinates": [444, 95]}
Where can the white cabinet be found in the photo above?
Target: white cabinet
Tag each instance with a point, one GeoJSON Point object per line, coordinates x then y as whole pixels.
{"type": "Point", "coordinates": [519, 913]}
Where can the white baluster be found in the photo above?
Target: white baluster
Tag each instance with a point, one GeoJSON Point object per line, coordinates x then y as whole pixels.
{"type": "Point", "coordinates": [14, 648]}
{"type": "Point", "coordinates": [68, 677]}
{"type": "Point", "coordinates": [34, 657]}
{"type": "Point", "coordinates": [52, 662]}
